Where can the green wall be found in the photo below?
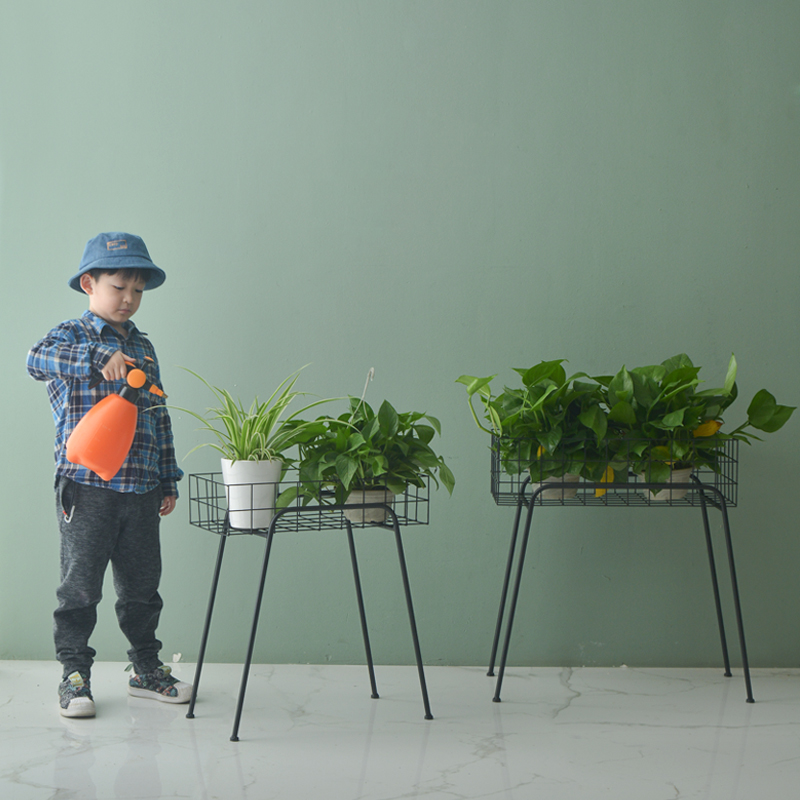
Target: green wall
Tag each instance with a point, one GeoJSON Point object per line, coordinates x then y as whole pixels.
{"type": "Point", "coordinates": [430, 189]}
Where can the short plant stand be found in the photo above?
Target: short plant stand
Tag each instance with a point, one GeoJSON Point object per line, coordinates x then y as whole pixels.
{"type": "Point", "coordinates": [706, 489]}
{"type": "Point", "coordinates": [209, 510]}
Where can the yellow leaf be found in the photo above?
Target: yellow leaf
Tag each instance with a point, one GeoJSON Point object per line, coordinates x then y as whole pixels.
{"type": "Point", "coordinates": [608, 477]}
{"type": "Point", "coordinates": [708, 428]}
{"type": "Point", "coordinates": [540, 452]}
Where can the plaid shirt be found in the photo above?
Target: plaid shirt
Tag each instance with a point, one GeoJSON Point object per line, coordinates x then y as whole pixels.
{"type": "Point", "coordinates": [68, 358]}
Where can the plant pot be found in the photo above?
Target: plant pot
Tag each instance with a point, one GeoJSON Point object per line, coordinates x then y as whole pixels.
{"type": "Point", "coordinates": [664, 495]}
{"type": "Point", "coordinates": [250, 488]}
{"type": "Point", "coordinates": [557, 494]}
{"type": "Point", "coordinates": [365, 515]}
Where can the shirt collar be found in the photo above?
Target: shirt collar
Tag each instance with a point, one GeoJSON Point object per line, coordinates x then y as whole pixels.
{"type": "Point", "coordinates": [99, 324]}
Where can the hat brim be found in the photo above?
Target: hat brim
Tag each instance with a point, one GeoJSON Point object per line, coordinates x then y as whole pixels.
{"type": "Point", "coordinates": [157, 275]}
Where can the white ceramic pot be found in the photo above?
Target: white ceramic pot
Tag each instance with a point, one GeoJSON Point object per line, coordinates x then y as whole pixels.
{"type": "Point", "coordinates": [250, 488]}
{"type": "Point", "coordinates": [663, 495]}
{"type": "Point", "coordinates": [557, 494]}
{"type": "Point", "coordinates": [365, 515]}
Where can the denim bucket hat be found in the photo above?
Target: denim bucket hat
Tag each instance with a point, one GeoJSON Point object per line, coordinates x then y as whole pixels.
{"type": "Point", "coordinates": [117, 251]}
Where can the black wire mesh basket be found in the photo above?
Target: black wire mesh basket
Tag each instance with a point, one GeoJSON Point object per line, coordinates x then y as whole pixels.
{"type": "Point", "coordinates": [250, 508]}
{"type": "Point", "coordinates": [521, 467]}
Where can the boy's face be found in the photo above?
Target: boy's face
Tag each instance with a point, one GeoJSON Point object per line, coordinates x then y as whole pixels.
{"type": "Point", "coordinates": [113, 298]}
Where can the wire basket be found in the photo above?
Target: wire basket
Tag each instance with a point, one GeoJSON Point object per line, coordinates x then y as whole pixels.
{"type": "Point", "coordinates": [511, 475]}
{"type": "Point", "coordinates": [209, 507]}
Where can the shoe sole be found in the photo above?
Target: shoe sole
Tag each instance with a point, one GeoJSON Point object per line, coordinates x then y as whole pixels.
{"type": "Point", "coordinates": [149, 694]}
{"type": "Point", "coordinates": [80, 707]}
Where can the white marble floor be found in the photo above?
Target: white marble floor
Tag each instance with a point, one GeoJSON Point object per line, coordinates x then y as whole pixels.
{"type": "Point", "coordinates": [314, 732]}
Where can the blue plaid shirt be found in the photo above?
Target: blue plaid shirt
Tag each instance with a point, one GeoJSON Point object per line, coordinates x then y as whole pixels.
{"type": "Point", "coordinates": [68, 358]}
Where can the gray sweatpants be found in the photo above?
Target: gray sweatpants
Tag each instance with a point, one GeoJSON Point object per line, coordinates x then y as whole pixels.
{"type": "Point", "coordinates": [97, 526]}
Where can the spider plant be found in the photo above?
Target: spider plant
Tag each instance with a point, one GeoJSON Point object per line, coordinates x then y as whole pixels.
{"type": "Point", "coordinates": [260, 432]}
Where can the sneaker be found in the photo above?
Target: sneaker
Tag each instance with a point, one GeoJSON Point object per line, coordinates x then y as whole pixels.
{"type": "Point", "coordinates": [75, 696]}
{"type": "Point", "coordinates": [160, 685]}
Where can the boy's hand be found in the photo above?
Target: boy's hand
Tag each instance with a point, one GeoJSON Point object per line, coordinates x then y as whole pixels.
{"type": "Point", "coordinates": [116, 367]}
{"type": "Point", "coordinates": [167, 505]}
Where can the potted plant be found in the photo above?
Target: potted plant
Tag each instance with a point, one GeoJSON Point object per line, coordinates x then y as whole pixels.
{"type": "Point", "coordinates": [253, 443]}
{"type": "Point", "coordinates": [653, 421]}
{"type": "Point", "coordinates": [552, 427]}
{"type": "Point", "coordinates": [664, 427]}
{"type": "Point", "coordinates": [363, 457]}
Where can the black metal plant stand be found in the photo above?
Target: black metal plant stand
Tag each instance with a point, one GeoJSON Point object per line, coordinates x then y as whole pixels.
{"type": "Point", "coordinates": [209, 510]}
{"type": "Point", "coordinates": [706, 488]}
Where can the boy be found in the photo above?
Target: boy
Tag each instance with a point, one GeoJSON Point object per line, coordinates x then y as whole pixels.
{"type": "Point", "coordinates": [115, 520]}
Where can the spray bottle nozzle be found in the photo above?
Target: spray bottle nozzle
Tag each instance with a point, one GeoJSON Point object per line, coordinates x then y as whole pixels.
{"type": "Point", "coordinates": [136, 379]}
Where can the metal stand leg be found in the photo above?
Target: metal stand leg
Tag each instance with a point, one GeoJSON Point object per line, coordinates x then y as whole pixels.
{"type": "Point", "coordinates": [412, 621]}
{"type": "Point", "coordinates": [722, 505]}
{"type": "Point", "coordinates": [504, 592]}
{"type": "Point", "coordinates": [361, 612]}
{"type": "Point", "coordinates": [736, 604]}
{"type": "Point", "coordinates": [206, 628]}
{"type": "Point", "coordinates": [514, 597]}
{"type": "Point", "coordinates": [251, 644]}
{"type": "Point", "coordinates": [715, 585]}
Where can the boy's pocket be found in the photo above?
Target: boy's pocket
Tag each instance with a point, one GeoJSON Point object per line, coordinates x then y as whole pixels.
{"type": "Point", "coordinates": [66, 495]}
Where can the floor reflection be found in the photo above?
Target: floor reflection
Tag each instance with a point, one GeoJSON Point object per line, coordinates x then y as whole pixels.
{"type": "Point", "coordinates": [315, 731]}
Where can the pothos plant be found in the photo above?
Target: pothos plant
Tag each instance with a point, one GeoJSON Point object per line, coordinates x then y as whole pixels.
{"type": "Point", "coordinates": [362, 450]}
{"type": "Point", "coordinates": [660, 421]}
{"type": "Point", "coordinates": [647, 420]}
{"type": "Point", "coordinates": [552, 426]}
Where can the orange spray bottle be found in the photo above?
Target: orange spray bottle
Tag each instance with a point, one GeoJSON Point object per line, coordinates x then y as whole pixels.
{"type": "Point", "coordinates": [103, 437]}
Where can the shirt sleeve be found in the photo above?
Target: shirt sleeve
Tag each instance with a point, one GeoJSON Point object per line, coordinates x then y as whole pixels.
{"type": "Point", "coordinates": [169, 472]}
{"type": "Point", "coordinates": [61, 355]}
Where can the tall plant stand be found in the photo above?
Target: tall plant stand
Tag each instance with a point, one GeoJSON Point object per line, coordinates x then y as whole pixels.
{"type": "Point", "coordinates": [706, 489]}
{"type": "Point", "coordinates": [208, 510]}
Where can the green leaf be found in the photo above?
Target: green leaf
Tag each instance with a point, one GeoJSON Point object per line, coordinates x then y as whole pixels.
{"type": "Point", "coordinates": [370, 429]}
{"type": "Point", "coordinates": [779, 419]}
{"type": "Point", "coordinates": [584, 387]}
{"type": "Point", "coordinates": [447, 477]}
{"type": "Point", "coordinates": [661, 453]}
{"type": "Point", "coordinates": [623, 413]}
{"type": "Point", "coordinates": [427, 459]}
{"type": "Point", "coordinates": [645, 387]}
{"type": "Point", "coordinates": [594, 419]}
{"type": "Point", "coordinates": [549, 390]}
{"type": "Point", "coordinates": [677, 362]}
{"type": "Point", "coordinates": [542, 371]}
{"type": "Point", "coordinates": [395, 485]}
{"type": "Point", "coordinates": [730, 378]}
{"type": "Point", "coordinates": [380, 465]}
{"type": "Point", "coordinates": [658, 472]}
{"type": "Point", "coordinates": [621, 387]}
{"type": "Point", "coordinates": [674, 418]}
{"type": "Point", "coordinates": [653, 373]}
{"type": "Point", "coordinates": [387, 419]}
{"type": "Point", "coordinates": [765, 414]}
{"type": "Point", "coordinates": [425, 433]}
{"type": "Point", "coordinates": [435, 422]}
{"type": "Point", "coordinates": [346, 468]}
{"type": "Point", "coordinates": [761, 409]}
{"type": "Point", "coordinates": [476, 385]}
{"type": "Point", "coordinates": [681, 378]}
{"type": "Point", "coordinates": [550, 439]}
{"type": "Point", "coordinates": [288, 496]}
{"type": "Point", "coordinates": [355, 440]}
